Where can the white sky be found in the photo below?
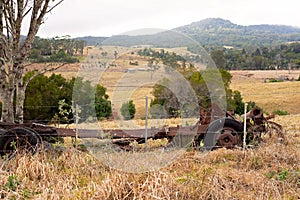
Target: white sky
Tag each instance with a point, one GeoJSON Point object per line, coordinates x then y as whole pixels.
{"type": "Point", "coordinates": [112, 17]}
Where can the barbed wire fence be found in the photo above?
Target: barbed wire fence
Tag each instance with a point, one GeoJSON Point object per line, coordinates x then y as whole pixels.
{"type": "Point", "coordinates": [142, 114]}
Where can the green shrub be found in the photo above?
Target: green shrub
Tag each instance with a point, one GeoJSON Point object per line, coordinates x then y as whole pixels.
{"type": "Point", "coordinates": [238, 104]}
{"type": "Point", "coordinates": [128, 110]}
{"type": "Point", "coordinates": [274, 80]}
{"type": "Point", "coordinates": [50, 99]}
{"type": "Point", "coordinates": [280, 112]}
{"type": "Point", "coordinates": [102, 104]}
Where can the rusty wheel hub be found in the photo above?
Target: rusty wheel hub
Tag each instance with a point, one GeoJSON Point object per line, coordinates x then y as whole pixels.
{"type": "Point", "coordinates": [228, 140]}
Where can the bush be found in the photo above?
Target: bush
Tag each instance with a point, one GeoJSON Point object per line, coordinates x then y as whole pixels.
{"type": "Point", "coordinates": [239, 104]}
{"type": "Point", "coordinates": [102, 103]}
{"type": "Point", "coordinates": [128, 110]}
{"type": "Point", "coordinates": [157, 111]}
{"type": "Point", "coordinates": [44, 94]}
{"type": "Point", "coordinates": [273, 80]}
{"type": "Point", "coordinates": [280, 112]}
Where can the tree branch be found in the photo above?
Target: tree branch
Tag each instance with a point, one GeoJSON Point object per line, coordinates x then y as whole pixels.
{"type": "Point", "coordinates": [55, 6]}
{"type": "Point", "coordinates": [43, 71]}
{"type": "Point", "coordinates": [24, 8]}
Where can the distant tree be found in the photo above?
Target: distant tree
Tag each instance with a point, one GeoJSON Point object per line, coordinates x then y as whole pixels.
{"type": "Point", "coordinates": [116, 54]}
{"type": "Point", "coordinates": [166, 99]}
{"type": "Point", "coordinates": [256, 53]}
{"type": "Point", "coordinates": [218, 58]}
{"type": "Point", "coordinates": [258, 62]}
{"type": "Point", "coordinates": [44, 95]}
{"type": "Point", "coordinates": [153, 65]}
{"type": "Point", "coordinates": [102, 104]}
{"type": "Point", "coordinates": [104, 53]}
{"type": "Point", "coordinates": [128, 110]}
{"type": "Point", "coordinates": [244, 52]}
{"type": "Point", "coordinates": [168, 103]}
{"type": "Point", "coordinates": [58, 49]}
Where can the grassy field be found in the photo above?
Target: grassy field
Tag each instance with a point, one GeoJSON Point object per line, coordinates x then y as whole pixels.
{"type": "Point", "coordinates": [270, 96]}
{"type": "Point", "coordinates": [269, 171]}
{"type": "Point", "coordinates": [253, 85]}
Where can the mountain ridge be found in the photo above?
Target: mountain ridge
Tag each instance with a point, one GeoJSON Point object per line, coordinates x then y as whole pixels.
{"type": "Point", "coordinates": [211, 31]}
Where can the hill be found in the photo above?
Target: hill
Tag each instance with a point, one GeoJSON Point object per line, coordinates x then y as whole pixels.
{"type": "Point", "coordinates": [91, 41]}
{"type": "Point", "coordinates": [220, 32]}
{"type": "Point", "coordinates": [211, 31]}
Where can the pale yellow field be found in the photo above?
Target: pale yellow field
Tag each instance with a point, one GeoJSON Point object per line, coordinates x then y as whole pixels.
{"type": "Point", "coordinates": [284, 96]}
{"type": "Point", "coordinates": [253, 85]}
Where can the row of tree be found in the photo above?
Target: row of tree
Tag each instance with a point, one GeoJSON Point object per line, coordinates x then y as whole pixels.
{"type": "Point", "coordinates": [167, 58]}
{"type": "Point", "coordinates": [58, 49]}
{"type": "Point", "coordinates": [285, 56]}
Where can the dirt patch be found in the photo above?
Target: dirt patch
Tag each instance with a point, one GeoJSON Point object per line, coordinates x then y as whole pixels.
{"type": "Point", "coordinates": [263, 75]}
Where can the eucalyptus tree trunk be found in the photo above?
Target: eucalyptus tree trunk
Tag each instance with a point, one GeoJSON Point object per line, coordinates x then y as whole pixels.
{"type": "Point", "coordinates": [7, 91]}
{"type": "Point", "coordinates": [14, 52]}
{"type": "Point", "coordinates": [7, 107]}
{"type": "Point", "coordinates": [20, 98]}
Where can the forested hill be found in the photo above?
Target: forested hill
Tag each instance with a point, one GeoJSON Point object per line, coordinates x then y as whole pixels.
{"type": "Point", "coordinates": [91, 41]}
{"type": "Point", "coordinates": [211, 31]}
{"type": "Point", "coordinates": [220, 32]}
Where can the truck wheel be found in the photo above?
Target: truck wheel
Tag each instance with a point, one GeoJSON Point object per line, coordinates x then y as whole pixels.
{"type": "Point", "coordinates": [2, 131]}
{"type": "Point", "coordinates": [224, 132]}
{"type": "Point", "coordinates": [20, 138]}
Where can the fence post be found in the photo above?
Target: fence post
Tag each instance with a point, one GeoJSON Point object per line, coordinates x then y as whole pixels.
{"type": "Point", "coordinates": [245, 124]}
{"type": "Point", "coordinates": [146, 123]}
{"type": "Point", "coordinates": [76, 124]}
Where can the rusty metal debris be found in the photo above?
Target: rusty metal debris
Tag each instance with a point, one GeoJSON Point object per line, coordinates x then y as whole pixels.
{"type": "Point", "coordinates": [209, 132]}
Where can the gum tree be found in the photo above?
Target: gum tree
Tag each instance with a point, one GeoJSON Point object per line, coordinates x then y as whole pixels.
{"type": "Point", "coordinates": [15, 50]}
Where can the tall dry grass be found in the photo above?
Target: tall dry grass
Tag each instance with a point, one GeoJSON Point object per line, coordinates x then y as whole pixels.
{"type": "Point", "coordinates": [271, 171]}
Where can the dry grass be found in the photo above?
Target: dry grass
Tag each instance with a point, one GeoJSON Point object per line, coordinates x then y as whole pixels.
{"type": "Point", "coordinates": [271, 171]}
{"type": "Point", "coordinates": [270, 96]}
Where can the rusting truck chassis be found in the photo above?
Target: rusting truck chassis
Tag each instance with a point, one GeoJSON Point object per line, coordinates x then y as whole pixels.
{"type": "Point", "coordinates": [209, 132]}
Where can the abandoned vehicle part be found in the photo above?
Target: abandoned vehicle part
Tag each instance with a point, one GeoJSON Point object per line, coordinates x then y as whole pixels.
{"type": "Point", "coordinates": [211, 133]}
{"type": "Point", "coordinates": [224, 132]}
{"type": "Point", "coordinates": [19, 138]}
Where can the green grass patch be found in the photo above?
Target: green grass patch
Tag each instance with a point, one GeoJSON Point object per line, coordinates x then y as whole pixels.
{"type": "Point", "coordinates": [280, 112]}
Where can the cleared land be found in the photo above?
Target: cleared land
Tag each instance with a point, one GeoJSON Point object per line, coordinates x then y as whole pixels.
{"type": "Point", "coordinates": [270, 96]}
{"type": "Point", "coordinates": [253, 85]}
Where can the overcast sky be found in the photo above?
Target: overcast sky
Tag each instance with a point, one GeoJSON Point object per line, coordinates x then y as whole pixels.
{"type": "Point", "coordinates": [113, 17]}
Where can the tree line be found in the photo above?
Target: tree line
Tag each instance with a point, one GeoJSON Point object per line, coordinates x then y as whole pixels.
{"type": "Point", "coordinates": [285, 56]}
{"type": "Point", "coordinates": [58, 49]}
